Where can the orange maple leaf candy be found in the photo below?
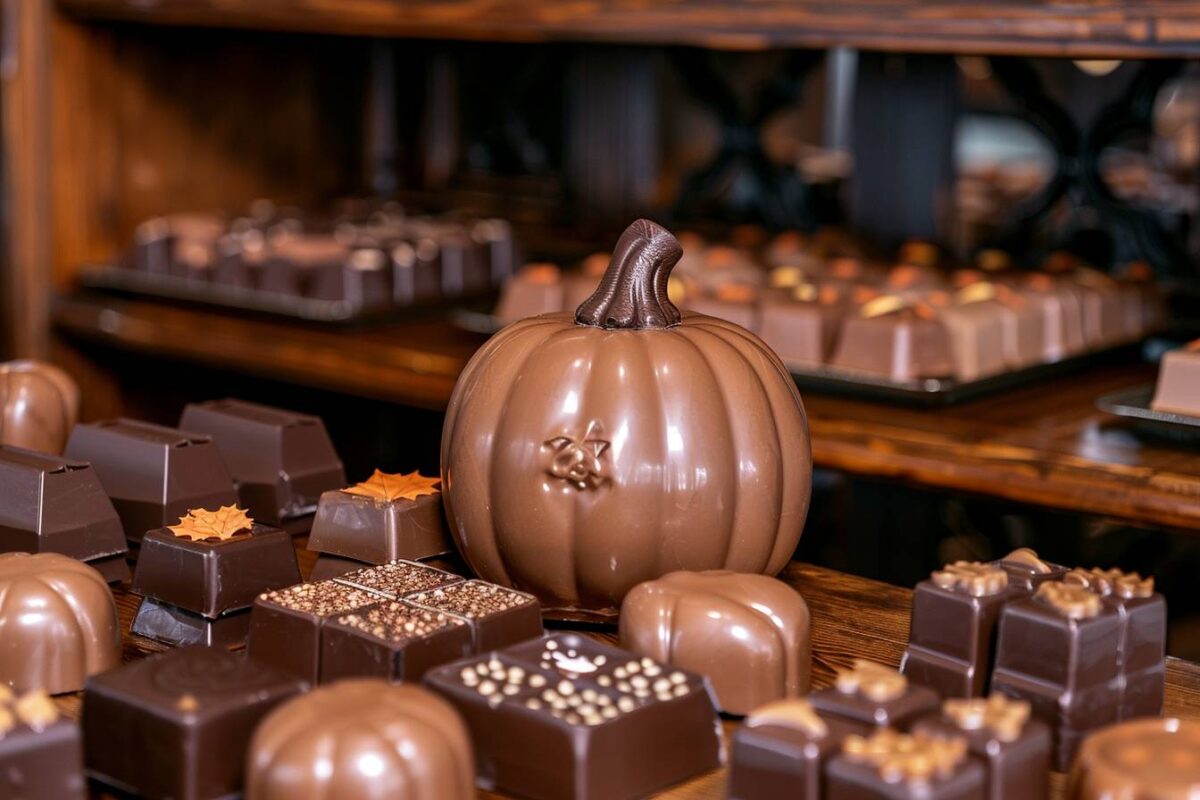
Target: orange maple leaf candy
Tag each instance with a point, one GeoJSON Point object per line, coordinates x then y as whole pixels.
{"type": "Point", "coordinates": [386, 486]}
{"type": "Point", "coordinates": [222, 524]}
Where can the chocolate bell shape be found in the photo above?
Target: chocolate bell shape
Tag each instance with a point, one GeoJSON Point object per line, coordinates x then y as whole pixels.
{"type": "Point", "coordinates": [748, 634]}
{"type": "Point", "coordinates": [58, 623]}
{"type": "Point", "coordinates": [365, 739]}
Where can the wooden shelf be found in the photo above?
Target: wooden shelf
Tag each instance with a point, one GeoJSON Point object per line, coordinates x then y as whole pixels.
{"type": "Point", "coordinates": [1091, 28]}
{"type": "Point", "coordinates": [880, 633]}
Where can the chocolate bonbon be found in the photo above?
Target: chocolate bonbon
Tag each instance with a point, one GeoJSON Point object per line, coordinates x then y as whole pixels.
{"type": "Point", "coordinates": [41, 754]}
{"type": "Point", "coordinates": [58, 623]}
{"type": "Point", "coordinates": [496, 615]}
{"type": "Point", "coordinates": [895, 339]}
{"type": "Point", "coordinates": [1178, 388]}
{"type": "Point", "coordinates": [895, 766]}
{"type": "Point", "coordinates": [1142, 758]}
{"type": "Point", "coordinates": [398, 579]}
{"type": "Point", "coordinates": [372, 741]}
{"type": "Point", "coordinates": [748, 634]}
{"type": "Point", "coordinates": [177, 724]}
{"type": "Point", "coordinates": [566, 716]}
{"type": "Point", "coordinates": [873, 694]}
{"type": "Point", "coordinates": [152, 474]}
{"type": "Point", "coordinates": [55, 505]}
{"type": "Point", "coordinates": [1027, 570]}
{"type": "Point", "coordinates": [392, 640]}
{"type": "Point", "coordinates": [39, 404]}
{"type": "Point", "coordinates": [281, 461]}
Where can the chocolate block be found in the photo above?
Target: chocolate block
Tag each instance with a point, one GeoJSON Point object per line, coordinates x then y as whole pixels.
{"type": "Point", "coordinates": [177, 724]}
{"type": "Point", "coordinates": [747, 634]}
{"type": "Point", "coordinates": [393, 640]}
{"type": "Point", "coordinates": [736, 303]}
{"type": "Point", "coordinates": [535, 289]}
{"type": "Point", "coordinates": [802, 324]}
{"type": "Point", "coordinates": [330, 567]}
{"type": "Point", "coordinates": [114, 569]}
{"type": "Point", "coordinates": [41, 755]}
{"type": "Point", "coordinates": [893, 766]}
{"type": "Point", "coordinates": [954, 619]}
{"type": "Point", "coordinates": [398, 579]}
{"type": "Point", "coordinates": [163, 622]}
{"type": "Point", "coordinates": [296, 261]}
{"type": "Point", "coordinates": [152, 474]}
{"type": "Point", "coordinates": [363, 281]}
{"type": "Point", "coordinates": [378, 530]}
{"type": "Point", "coordinates": [892, 339]}
{"type": "Point", "coordinates": [1026, 571]}
{"type": "Point", "coordinates": [1178, 387]}
{"type": "Point", "coordinates": [1058, 650]}
{"type": "Point", "coordinates": [873, 694]}
{"type": "Point", "coordinates": [976, 326]}
{"type": "Point", "coordinates": [566, 716]}
{"type": "Point", "coordinates": [1061, 312]}
{"type": "Point", "coordinates": [50, 504]}
{"type": "Point", "coordinates": [1014, 749]}
{"type": "Point", "coordinates": [499, 245]}
{"type": "Point", "coordinates": [281, 461]}
{"type": "Point", "coordinates": [1143, 758]}
{"type": "Point", "coordinates": [782, 749]}
{"type": "Point", "coordinates": [285, 625]}
{"type": "Point", "coordinates": [416, 278]}
{"type": "Point", "coordinates": [498, 616]}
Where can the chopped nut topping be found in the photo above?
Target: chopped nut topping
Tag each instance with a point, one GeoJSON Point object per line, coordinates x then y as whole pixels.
{"type": "Point", "coordinates": [916, 759]}
{"type": "Point", "coordinates": [323, 599]}
{"type": "Point", "coordinates": [873, 681]}
{"type": "Point", "coordinates": [1071, 600]}
{"type": "Point", "coordinates": [972, 577]}
{"type": "Point", "coordinates": [398, 622]}
{"type": "Point", "coordinates": [1004, 717]}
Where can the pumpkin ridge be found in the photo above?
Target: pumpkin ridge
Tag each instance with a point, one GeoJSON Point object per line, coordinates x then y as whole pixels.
{"type": "Point", "coordinates": [712, 323]}
{"type": "Point", "coordinates": [663, 449]}
{"type": "Point", "coordinates": [79, 614]}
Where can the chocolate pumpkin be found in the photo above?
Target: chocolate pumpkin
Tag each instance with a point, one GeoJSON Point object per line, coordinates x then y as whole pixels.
{"type": "Point", "coordinates": [39, 404]}
{"type": "Point", "coordinates": [583, 454]}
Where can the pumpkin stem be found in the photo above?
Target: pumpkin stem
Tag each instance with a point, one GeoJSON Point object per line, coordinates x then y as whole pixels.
{"type": "Point", "coordinates": [632, 294]}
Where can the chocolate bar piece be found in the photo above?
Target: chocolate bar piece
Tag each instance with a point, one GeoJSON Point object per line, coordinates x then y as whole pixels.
{"type": "Point", "coordinates": [954, 619]}
{"type": "Point", "coordinates": [1058, 650]}
{"type": "Point", "coordinates": [748, 634]}
{"type": "Point", "coordinates": [393, 640]}
{"type": "Point", "coordinates": [177, 724]}
{"type": "Point", "coordinates": [362, 739]}
{"type": "Point", "coordinates": [893, 766]}
{"type": "Point", "coordinates": [566, 716]}
{"type": "Point", "coordinates": [873, 694]}
{"type": "Point", "coordinates": [1014, 749]}
{"type": "Point", "coordinates": [1142, 758]}
{"type": "Point", "coordinates": [398, 579]}
{"type": "Point", "coordinates": [1027, 571]}
{"type": "Point", "coordinates": [384, 518]}
{"type": "Point", "coordinates": [51, 504]}
{"type": "Point", "coordinates": [41, 755]}
{"type": "Point", "coordinates": [498, 616]}
{"type": "Point", "coordinates": [781, 751]}
{"type": "Point", "coordinates": [152, 474]}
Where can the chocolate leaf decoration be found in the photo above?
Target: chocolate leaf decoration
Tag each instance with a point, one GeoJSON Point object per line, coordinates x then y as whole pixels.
{"type": "Point", "coordinates": [201, 523]}
{"type": "Point", "coordinates": [386, 486]}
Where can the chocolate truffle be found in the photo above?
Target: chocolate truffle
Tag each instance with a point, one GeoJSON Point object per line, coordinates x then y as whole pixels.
{"type": "Point", "coordinates": [58, 623]}
{"type": "Point", "coordinates": [393, 640]}
{"type": "Point", "coordinates": [893, 766]}
{"type": "Point", "coordinates": [954, 617]}
{"type": "Point", "coordinates": [41, 755]}
{"type": "Point", "coordinates": [177, 724]}
{"type": "Point", "coordinates": [152, 474]}
{"type": "Point", "coordinates": [281, 461]}
{"type": "Point", "coordinates": [873, 694]}
{"type": "Point", "coordinates": [1178, 387]}
{"type": "Point", "coordinates": [39, 404]}
{"type": "Point", "coordinates": [1142, 758]}
{"type": "Point", "coordinates": [535, 289]}
{"type": "Point", "coordinates": [362, 739]}
{"type": "Point", "coordinates": [54, 505]}
{"type": "Point", "coordinates": [892, 338]}
{"type": "Point", "coordinates": [748, 634]}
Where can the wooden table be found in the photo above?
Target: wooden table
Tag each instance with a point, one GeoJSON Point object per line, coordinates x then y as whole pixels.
{"type": "Point", "coordinates": [1045, 444]}
{"type": "Point", "coordinates": [851, 618]}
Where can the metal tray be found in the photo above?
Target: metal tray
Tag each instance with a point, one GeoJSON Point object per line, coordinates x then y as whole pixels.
{"type": "Point", "coordinates": [1133, 404]}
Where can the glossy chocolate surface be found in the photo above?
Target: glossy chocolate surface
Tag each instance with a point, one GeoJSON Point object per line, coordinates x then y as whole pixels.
{"type": "Point", "coordinates": [373, 741]}
{"type": "Point", "coordinates": [49, 504]}
{"type": "Point", "coordinates": [748, 634]}
{"type": "Point", "coordinates": [566, 716]}
{"type": "Point", "coordinates": [873, 694]}
{"type": "Point", "coordinates": [891, 766]}
{"type": "Point", "coordinates": [1027, 571]}
{"type": "Point", "coordinates": [41, 754]}
{"type": "Point", "coordinates": [177, 724]}
{"type": "Point", "coordinates": [902, 346]}
{"type": "Point", "coordinates": [281, 461]}
{"type": "Point", "coordinates": [1178, 387]}
{"type": "Point", "coordinates": [328, 567]}
{"type": "Point", "coordinates": [497, 616]}
{"type": "Point", "coordinates": [152, 474]}
{"type": "Point", "coordinates": [1155, 759]}
{"type": "Point", "coordinates": [58, 623]}
{"type": "Point", "coordinates": [39, 404]}
{"type": "Point", "coordinates": [392, 640]}
{"type": "Point", "coordinates": [169, 624]}
{"type": "Point", "coordinates": [377, 531]}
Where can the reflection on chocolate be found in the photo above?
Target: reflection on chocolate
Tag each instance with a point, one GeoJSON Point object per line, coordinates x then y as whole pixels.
{"type": "Point", "coordinates": [58, 623]}
{"type": "Point", "coordinates": [748, 634]}
{"type": "Point", "coordinates": [41, 755]}
{"type": "Point", "coordinates": [177, 724]}
{"type": "Point", "coordinates": [1143, 758]}
{"type": "Point", "coordinates": [566, 716]}
{"type": "Point", "coordinates": [281, 461]}
{"type": "Point", "coordinates": [39, 404]}
{"type": "Point", "coordinates": [174, 626]}
{"type": "Point", "coordinates": [373, 742]}
{"type": "Point", "coordinates": [1027, 571]}
{"type": "Point", "coordinates": [873, 694]}
{"type": "Point", "coordinates": [1178, 387]}
{"type": "Point", "coordinates": [896, 766]}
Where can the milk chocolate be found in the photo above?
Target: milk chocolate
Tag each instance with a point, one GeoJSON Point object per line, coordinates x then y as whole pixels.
{"type": "Point", "coordinates": [535, 289]}
{"type": "Point", "coordinates": [362, 281]}
{"type": "Point", "coordinates": [58, 623]}
{"type": "Point", "coordinates": [177, 724]}
{"type": "Point", "coordinates": [954, 619]}
{"type": "Point", "coordinates": [976, 324]}
{"type": "Point", "coordinates": [1142, 758]}
{"type": "Point", "coordinates": [296, 262]}
{"type": "Point", "coordinates": [872, 694]}
{"type": "Point", "coordinates": [50, 504]}
{"type": "Point", "coordinates": [802, 324]}
{"type": "Point", "coordinates": [892, 339]}
{"type": "Point", "coordinates": [415, 275]}
{"type": "Point", "coordinates": [41, 754]}
{"type": "Point", "coordinates": [152, 474]}
{"type": "Point", "coordinates": [393, 640]}
{"type": "Point", "coordinates": [894, 766]}
{"type": "Point", "coordinates": [736, 303]}
{"type": "Point", "coordinates": [747, 634]}
{"type": "Point", "coordinates": [370, 740]}
{"type": "Point", "coordinates": [281, 461]}
{"type": "Point", "coordinates": [1061, 312]}
{"type": "Point", "coordinates": [566, 716]}
{"type": "Point", "coordinates": [1178, 387]}
{"type": "Point", "coordinates": [1000, 733]}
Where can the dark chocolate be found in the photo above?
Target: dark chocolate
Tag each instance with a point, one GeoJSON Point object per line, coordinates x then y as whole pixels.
{"type": "Point", "coordinates": [393, 640]}
{"type": "Point", "coordinates": [1027, 571]}
{"type": "Point", "coordinates": [398, 579]}
{"type": "Point", "coordinates": [873, 694]}
{"type": "Point", "coordinates": [163, 622]}
{"type": "Point", "coordinates": [376, 530]}
{"type": "Point", "coordinates": [893, 766]}
{"type": "Point", "coordinates": [497, 616]}
{"type": "Point", "coordinates": [41, 753]}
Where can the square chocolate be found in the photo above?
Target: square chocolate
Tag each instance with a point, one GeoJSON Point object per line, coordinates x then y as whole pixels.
{"type": "Point", "coordinates": [873, 694]}
{"type": "Point", "coordinates": [281, 461]}
{"type": "Point", "coordinates": [398, 579]}
{"type": "Point", "coordinates": [152, 474]}
{"type": "Point", "coordinates": [498, 616]}
{"type": "Point", "coordinates": [177, 724]}
{"type": "Point", "coordinates": [393, 640]}
{"type": "Point", "coordinates": [362, 281]}
{"type": "Point", "coordinates": [329, 567]}
{"type": "Point", "coordinates": [894, 766]}
{"type": "Point", "coordinates": [41, 753]}
{"type": "Point", "coordinates": [285, 625]}
{"type": "Point", "coordinates": [378, 530]}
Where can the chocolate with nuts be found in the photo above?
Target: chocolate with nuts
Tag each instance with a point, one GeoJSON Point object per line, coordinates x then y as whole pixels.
{"type": "Point", "coordinates": [498, 616]}
{"type": "Point", "coordinates": [393, 640]}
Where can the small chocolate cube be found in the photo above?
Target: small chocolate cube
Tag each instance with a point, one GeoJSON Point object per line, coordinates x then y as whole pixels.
{"type": "Point", "coordinates": [378, 530]}
{"type": "Point", "coordinates": [41, 754]}
{"type": "Point", "coordinates": [398, 579]}
{"type": "Point", "coordinates": [873, 694]}
{"type": "Point", "coordinates": [894, 766]}
{"type": "Point", "coordinates": [393, 640]}
{"type": "Point", "coordinates": [177, 724]}
{"type": "Point", "coordinates": [498, 616]}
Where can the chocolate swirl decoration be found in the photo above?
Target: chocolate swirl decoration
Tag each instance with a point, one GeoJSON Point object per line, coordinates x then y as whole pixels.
{"type": "Point", "coordinates": [632, 295]}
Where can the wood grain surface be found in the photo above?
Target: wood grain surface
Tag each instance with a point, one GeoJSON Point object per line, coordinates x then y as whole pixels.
{"type": "Point", "coordinates": [851, 618]}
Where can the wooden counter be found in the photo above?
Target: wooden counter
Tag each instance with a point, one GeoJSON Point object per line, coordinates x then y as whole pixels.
{"type": "Point", "coordinates": [851, 618]}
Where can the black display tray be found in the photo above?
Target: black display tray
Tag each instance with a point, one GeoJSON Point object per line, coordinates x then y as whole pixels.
{"type": "Point", "coordinates": [1133, 404]}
